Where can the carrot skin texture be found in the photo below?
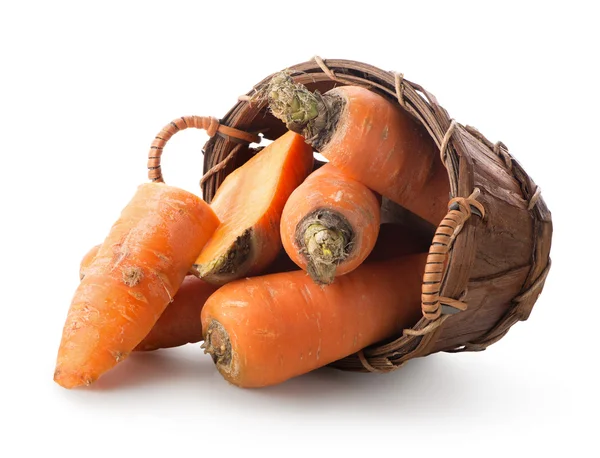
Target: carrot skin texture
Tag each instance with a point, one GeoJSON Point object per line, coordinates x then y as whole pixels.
{"type": "Point", "coordinates": [283, 325]}
{"type": "Point", "coordinates": [385, 148]}
{"type": "Point", "coordinates": [134, 276]}
{"type": "Point", "coordinates": [180, 323]}
{"type": "Point", "coordinates": [249, 203]}
{"type": "Point", "coordinates": [325, 192]}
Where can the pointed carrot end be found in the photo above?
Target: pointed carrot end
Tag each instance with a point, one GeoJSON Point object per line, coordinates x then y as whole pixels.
{"type": "Point", "coordinates": [70, 379]}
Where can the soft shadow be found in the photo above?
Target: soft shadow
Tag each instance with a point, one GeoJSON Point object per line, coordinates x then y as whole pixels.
{"type": "Point", "coordinates": [158, 367]}
{"type": "Point", "coordinates": [329, 383]}
{"type": "Point", "coordinates": [439, 384]}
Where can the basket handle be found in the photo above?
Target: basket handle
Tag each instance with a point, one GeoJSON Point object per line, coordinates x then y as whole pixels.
{"type": "Point", "coordinates": [460, 210]}
{"type": "Point", "coordinates": [211, 125]}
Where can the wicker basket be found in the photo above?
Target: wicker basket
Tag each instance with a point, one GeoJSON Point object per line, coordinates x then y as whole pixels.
{"type": "Point", "coordinates": [496, 235]}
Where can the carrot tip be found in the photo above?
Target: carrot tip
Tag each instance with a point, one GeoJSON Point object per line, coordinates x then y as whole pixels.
{"type": "Point", "coordinates": [72, 380]}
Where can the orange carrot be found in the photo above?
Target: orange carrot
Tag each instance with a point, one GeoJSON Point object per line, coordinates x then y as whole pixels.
{"type": "Point", "coordinates": [132, 279]}
{"type": "Point", "coordinates": [264, 330]}
{"type": "Point", "coordinates": [180, 323]}
{"type": "Point", "coordinates": [369, 138]}
{"type": "Point", "coordinates": [330, 224]}
{"type": "Point", "coordinates": [249, 204]}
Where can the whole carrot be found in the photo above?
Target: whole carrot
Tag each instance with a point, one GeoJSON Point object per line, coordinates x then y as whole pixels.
{"type": "Point", "coordinates": [264, 330]}
{"type": "Point", "coordinates": [370, 139]}
{"type": "Point", "coordinates": [134, 276]}
{"type": "Point", "coordinates": [249, 204]}
{"type": "Point", "coordinates": [329, 224]}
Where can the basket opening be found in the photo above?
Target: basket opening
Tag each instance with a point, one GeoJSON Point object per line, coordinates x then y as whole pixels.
{"type": "Point", "coordinates": [261, 120]}
{"type": "Point", "coordinates": [257, 118]}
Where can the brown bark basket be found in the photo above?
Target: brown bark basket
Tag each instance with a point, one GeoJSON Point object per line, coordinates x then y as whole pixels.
{"type": "Point", "coordinates": [497, 233]}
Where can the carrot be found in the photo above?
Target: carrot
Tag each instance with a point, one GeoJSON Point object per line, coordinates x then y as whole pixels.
{"type": "Point", "coordinates": [330, 224]}
{"type": "Point", "coordinates": [249, 204]}
{"type": "Point", "coordinates": [397, 240]}
{"type": "Point", "coordinates": [180, 323]}
{"type": "Point", "coordinates": [87, 259]}
{"type": "Point", "coordinates": [264, 330]}
{"type": "Point", "coordinates": [132, 279]}
{"type": "Point", "coordinates": [370, 139]}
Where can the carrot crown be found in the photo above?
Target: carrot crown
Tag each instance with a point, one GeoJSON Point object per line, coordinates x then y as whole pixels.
{"type": "Point", "coordinates": [326, 240]}
{"type": "Point", "coordinates": [310, 114]}
{"type": "Point", "coordinates": [217, 344]}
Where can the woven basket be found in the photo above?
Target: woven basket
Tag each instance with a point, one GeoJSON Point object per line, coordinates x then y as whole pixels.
{"type": "Point", "coordinates": [496, 235]}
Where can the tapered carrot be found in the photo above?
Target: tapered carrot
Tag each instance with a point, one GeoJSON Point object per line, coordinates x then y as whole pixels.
{"type": "Point", "coordinates": [134, 276]}
{"type": "Point", "coordinates": [249, 204]}
{"type": "Point", "coordinates": [329, 224]}
{"type": "Point", "coordinates": [264, 330]}
{"type": "Point", "coordinates": [369, 138]}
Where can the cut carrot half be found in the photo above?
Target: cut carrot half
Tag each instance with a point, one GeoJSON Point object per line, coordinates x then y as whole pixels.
{"type": "Point", "coordinates": [249, 204]}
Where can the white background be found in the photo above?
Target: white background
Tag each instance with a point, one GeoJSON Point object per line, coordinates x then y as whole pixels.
{"type": "Point", "coordinates": [86, 86]}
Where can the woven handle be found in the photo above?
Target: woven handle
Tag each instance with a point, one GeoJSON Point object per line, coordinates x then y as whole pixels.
{"type": "Point", "coordinates": [432, 304]}
{"type": "Point", "coordinates": [211, 125]}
